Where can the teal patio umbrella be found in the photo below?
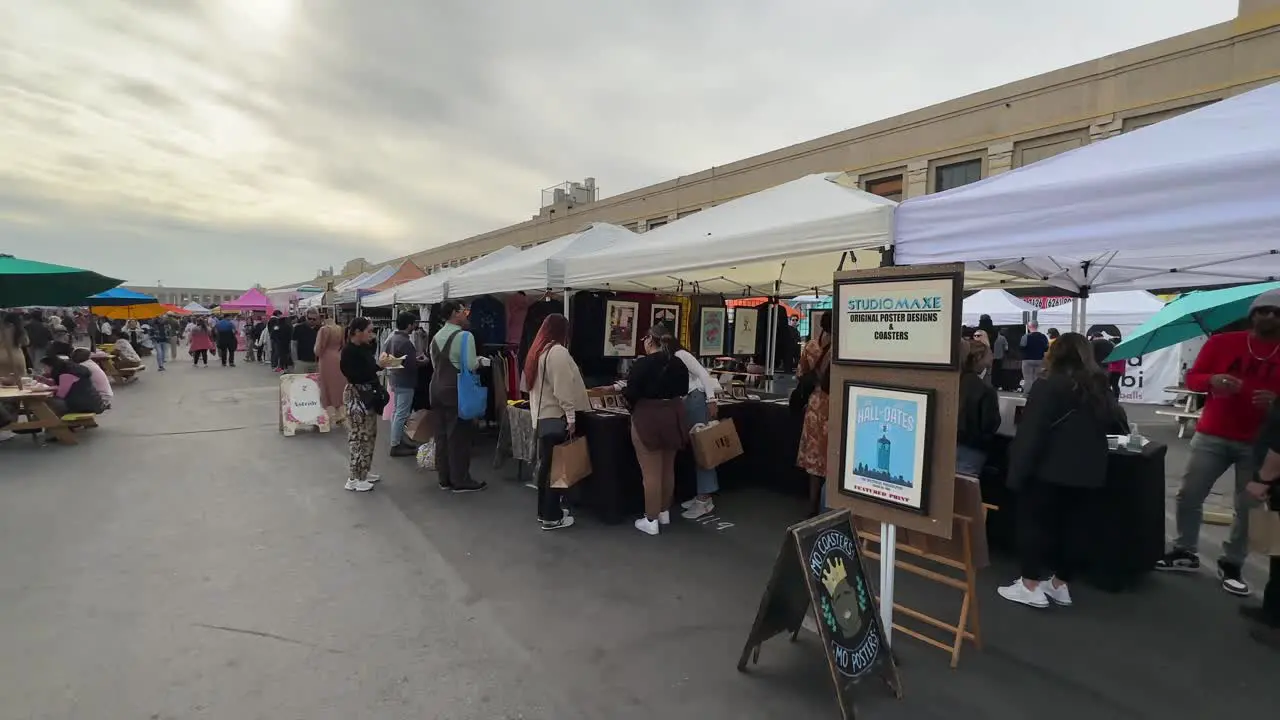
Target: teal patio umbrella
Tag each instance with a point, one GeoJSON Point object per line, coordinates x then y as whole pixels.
{"type": "Point", "coordinates": [1190, 316]}
{"type": "Point", "coordinates": [27, 282]}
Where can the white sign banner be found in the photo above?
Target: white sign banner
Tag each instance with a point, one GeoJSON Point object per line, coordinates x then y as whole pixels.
{"type": "Point", "coordinates": [1146, 377]}
{"type": "Point", "coordinates": [300, 404]}
{"type": "Point", "coordinates": [898, 321]}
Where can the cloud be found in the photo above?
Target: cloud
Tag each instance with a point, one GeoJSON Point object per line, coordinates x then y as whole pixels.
{"type": "Point", "coordinates": [226, 142]}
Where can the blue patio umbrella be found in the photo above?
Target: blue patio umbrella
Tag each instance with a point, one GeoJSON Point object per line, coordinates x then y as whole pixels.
{"type": "Point", "coordinates": [1190, 316]}
{"type": "Point", "coordinates": [116, 297]}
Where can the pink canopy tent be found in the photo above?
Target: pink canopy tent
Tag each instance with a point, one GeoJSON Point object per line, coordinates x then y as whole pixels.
{"type": "Point", "coordinates": [252, 300]}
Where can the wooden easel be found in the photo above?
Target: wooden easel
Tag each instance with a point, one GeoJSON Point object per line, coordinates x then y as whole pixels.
{"type": "Point", "coordinates": [956, 554]}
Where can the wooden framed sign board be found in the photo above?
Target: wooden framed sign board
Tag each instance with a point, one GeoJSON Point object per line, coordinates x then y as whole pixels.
{"type": "Point", "coordinates": [820, 570]}
{"type": "Point", "coordinates": [895, 393]}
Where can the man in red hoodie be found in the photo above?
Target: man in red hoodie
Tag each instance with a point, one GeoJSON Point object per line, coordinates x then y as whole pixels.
{"type": "Point", "coordinates": [1240, 371]}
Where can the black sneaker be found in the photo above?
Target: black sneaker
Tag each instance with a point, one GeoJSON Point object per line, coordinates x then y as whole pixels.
{"type": "Point", "coordinates": [444, 485]}
{"type": "Point", "coordinates": [1266, 635]}
{"type": "Point", "coordinates": [476, 487]}
{"type": "Point", "coordinates": [1179, 561]}
{"type": "Point", "coordinates": [1232, 579]}
{"type": "Point", "coordinates": [403, 450]}
{"type": "Point", "coordinates": [1258, 614]}
{"type": "Point", "coordinates": [564, 522]}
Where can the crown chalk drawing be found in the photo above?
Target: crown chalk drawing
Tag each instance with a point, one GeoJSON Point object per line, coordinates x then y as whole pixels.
{"type": "Point", "coordinates": [834, 574]}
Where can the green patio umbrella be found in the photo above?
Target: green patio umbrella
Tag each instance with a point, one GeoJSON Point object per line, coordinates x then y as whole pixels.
{"type": "Point", "coordinates": [1190, 316]}
{"type": "Point", "coordinates": [27, 282]}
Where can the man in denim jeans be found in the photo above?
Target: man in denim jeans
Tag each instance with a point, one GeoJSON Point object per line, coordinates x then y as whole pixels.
{"type": "Point", "coordinates": [404, 381]}
{"type": "Point", "coordinates": [1240, 371]}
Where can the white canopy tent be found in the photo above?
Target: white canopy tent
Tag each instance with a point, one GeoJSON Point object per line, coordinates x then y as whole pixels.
{"type": "Point", "coordinates": [1187, 202]}
{"type": "Point", "coordinates": [1003, 308]}
{"type": "Point", "coordinates": [196, 308]}
{"type": "Point", "coordinates": [1126, 309]}
{"type": "Point", "coordinates": [430, 289]}
{"type": "Point", "coordinates": [788, 238]}
{"type": "Point", "coordinates": [541, 267]}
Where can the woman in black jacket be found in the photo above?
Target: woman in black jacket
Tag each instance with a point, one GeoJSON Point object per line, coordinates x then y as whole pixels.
{"type": "Point", "coordinates": [979, 417]}
{"type": "Point", "coordinates": [1057, 461]}
{"type": "Point", "coordinates": [659, 426]}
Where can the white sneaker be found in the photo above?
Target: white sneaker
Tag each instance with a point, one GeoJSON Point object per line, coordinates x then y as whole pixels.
{"type": "Point", "coordinates": [1020, 593]}
{"type": "Point", "coordinates": [664, 517]}
{"type": "Point", "coordinates": [6, 435]}
{"type": "Point", "coordinates": [372, 477]}
{"type": "Point", "coordinates": [564, 522]}
{"type": "Point", "coordinates": [1060, 595]}
{"type": "Point", "coordinates": [359, 485]}
{"type": "Point", "coordinates": [698, 508]}
{"type": "Point", "coordinates": [688, 504]}
{"type": "Point", "coordinates": [647, 526]}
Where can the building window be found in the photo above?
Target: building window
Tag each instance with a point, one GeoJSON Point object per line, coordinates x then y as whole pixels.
{"type": "Point", "coordinates": [632, 226]}
{"type": "Point", "coordinates": [946, 177]}
{"type": "Point", "coordinates": [526, 246]}
{"type": "Point", "coordinates": [687, 213]}
{"type": "Point", "coordinates": [1034, 150]}
{"type": "Point", "coordinates": [886, 187]}
{"type": "Point", "coordinates": [656, 223]}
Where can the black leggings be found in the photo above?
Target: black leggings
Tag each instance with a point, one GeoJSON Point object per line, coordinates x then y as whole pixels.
{"type": "Point", "coordinates": [550, 434]}
{"type": "Point", "coordinates": [1052, 530]}
{"type": "Point", "coordinates": [227, 354]}
{"type": "Point", "coordinates": [1271, 597]}
{"type": "Point", "coordinates": [198, 355]}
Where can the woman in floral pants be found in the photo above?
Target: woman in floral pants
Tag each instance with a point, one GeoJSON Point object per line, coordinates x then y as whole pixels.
{"type": "Point", "coordinates": [361, 369]}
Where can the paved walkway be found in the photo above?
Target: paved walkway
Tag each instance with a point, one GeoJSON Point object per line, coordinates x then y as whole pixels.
{"type": "Point", "coordinates": [187, 561]}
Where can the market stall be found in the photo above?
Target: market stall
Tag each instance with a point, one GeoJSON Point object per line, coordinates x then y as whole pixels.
{"type": "Point", "coordinates": [1002, 307]}
{"type": "Point", "coordinates": [1187, 202]}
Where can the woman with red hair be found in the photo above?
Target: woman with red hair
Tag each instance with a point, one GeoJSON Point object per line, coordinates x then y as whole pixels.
{"type": "Point", "coordinates": [556, 393]}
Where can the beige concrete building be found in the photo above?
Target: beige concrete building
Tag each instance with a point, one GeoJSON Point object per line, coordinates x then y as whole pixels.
{"type": "Point", "coordinates": [207, 297]}
{"type": "Point", "coordinates": [953, 143]}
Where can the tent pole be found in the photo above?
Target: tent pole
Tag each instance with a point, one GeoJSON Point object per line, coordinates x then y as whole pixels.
{"type": "Point", "coordinates": [1084, 314]}
{"type": "Point", "coordinates": [1075, 314]}
{"type": "Point", "coordinates": [771, 348]}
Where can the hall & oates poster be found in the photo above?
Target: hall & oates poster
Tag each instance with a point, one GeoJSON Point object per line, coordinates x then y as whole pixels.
{"type": "Point", "coordinates": [886, 455]}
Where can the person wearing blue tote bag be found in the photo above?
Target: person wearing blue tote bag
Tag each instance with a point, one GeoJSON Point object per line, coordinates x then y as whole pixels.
{"type": "Point", "coordinates": [457, 399]}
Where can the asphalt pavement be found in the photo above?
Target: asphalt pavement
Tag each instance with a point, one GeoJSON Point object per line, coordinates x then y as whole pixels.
{"type": "Point", "coordinates": [187, 561]}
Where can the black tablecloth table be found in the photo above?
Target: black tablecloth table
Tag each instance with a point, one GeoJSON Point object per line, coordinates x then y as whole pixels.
{"type": "Point", "coordinates": [1126, 518]}
{"type": "Point", "coordinates": [614, 491]}
{"type": "Point", "coordinates": [770, 434]}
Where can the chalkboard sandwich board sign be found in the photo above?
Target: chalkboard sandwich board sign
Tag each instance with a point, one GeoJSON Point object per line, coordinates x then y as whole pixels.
{"type": "Point", "coordinates": [820, 570]}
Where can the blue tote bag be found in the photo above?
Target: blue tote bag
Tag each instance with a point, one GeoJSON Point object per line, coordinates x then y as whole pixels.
{"type": "Point", "coordinates": [473, 398]}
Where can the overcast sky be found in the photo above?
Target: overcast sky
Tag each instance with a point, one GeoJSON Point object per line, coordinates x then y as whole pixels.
{"type": "Point", "coordinates": [219, 143]}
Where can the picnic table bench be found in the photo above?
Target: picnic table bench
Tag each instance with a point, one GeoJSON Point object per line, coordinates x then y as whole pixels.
{"type": "Point", "coordinates": [1185, 409]}
{"type": "Point", "coordinates": [34, 404]}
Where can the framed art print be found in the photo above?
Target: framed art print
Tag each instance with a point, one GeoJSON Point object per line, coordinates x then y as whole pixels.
{"type": "Point", "coordinates": [887, 437]}
{"type": "Point", "coordinates": [898, 321]}
{"type": "Point", "coordinates": [815, 322]}
{"type": "Point", "coordinates": [610, 401]}
{"type": "Point", "coordinates": [668, 315]}
{"type": "Point", "coordinates": [597, 402]}
{"type": "Point", "coordinates": [711, 331]}
{"type": "Point", "coordinates": [746, 322]}
{"type": "Point", "coordinates": [620, 328]}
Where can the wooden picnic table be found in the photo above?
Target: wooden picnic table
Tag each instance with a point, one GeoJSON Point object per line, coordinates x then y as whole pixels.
{"type": "Point", "coordinates": [1185, 411]}
{"type": "Point", "coordinates": [34, 404]}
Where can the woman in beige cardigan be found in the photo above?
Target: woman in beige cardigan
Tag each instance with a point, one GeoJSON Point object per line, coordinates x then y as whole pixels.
{"type": "Point", "coordinates": [556, 393]}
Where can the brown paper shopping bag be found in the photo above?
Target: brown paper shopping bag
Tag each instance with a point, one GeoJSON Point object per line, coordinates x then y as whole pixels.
{"type": "Point", "coordinates": [716, 444]}
{"type": "Point", "coordinates": [570, 462]}
{"type": "Point", "coordinates": [1264, 531]}
{"type": "Point", "coordinates": [420, 427]}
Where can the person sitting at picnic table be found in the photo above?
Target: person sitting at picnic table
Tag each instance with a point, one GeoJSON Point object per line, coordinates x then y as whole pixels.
{"type": "Point", "coordinates": [73, 390]}
{"type": "Point", "coordinates": [101, 382]}
{"type": "Point", "coordinates": [125, 355]}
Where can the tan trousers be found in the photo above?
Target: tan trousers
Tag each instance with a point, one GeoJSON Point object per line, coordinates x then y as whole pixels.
{"type": "Point", "coordinates": [658, 469]}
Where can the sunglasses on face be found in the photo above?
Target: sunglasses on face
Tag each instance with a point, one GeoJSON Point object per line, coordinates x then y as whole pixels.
{"type": "Point", "coordinates": [1267, 311]}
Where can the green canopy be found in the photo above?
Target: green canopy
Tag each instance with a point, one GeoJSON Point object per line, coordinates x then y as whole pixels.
{"type": "Point", "coordinates": [27, 282]}
{"type": "Point", "coordinates": [1189, 316]}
